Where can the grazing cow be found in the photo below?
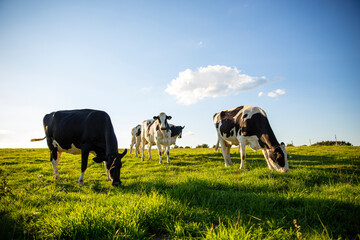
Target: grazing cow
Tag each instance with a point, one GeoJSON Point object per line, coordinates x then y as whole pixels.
{"type": "Point", "coordinates": [135, 139]}
{"type": "Point", "coordinates": [156, 132]}
{"type": "Point", "coordinates": [82, 132]}
{"type": "Point", "coordinates": [246, 125]}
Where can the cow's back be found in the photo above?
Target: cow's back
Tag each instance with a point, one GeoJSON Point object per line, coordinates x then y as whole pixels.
{"type": "Point", "coordinates": [75, 126]}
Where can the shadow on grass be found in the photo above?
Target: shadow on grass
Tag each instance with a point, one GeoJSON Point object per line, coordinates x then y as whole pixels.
{"type": "Point", "coordinates": [260, 205]}
{"type": "Point", "coordinates": [10, 228]}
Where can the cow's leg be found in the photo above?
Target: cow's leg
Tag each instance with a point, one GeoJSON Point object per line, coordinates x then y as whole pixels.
{"type": "Point", "coordinates": [133, 141]}
{"type": "Point", "coordinates": [222, 145]}
{"type": "Point", "coordinates": [225, 150]}
{"type": "Point", "coordinates": [242, 151]}
{"type": "Point", "coordinates": [159, 151]}
{"type": "Point", "coordinates": [55, 156]}
{"type": "Point", "coordinates": [138, 145]}
{"type": "Point", "coordinates": [266, 155]}
{"type": "Point", "coordinates": [149, 151]}
{"type": "Point", "coordinates": [107, 172]}
{"type": "Point", "coordinates": [142, 149]}
{"type": "Point", "coordinates": [131, 146]}
{"type": "Point", "coordinates": [84, 162]}
{"type": "Point", "coordinates": [136, 149]}
{"type": "Point", "coordinates": [242, 155]}
{"type": "Point", "coordinates": [167, 150]}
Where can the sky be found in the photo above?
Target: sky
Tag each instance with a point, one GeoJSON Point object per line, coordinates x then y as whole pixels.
{"type": "Point", "coordinates": [297, 60]}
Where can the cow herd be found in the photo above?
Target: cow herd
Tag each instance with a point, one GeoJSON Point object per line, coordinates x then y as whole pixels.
{"type": "Point", "coordinates": [90, 131]}
{"type": "Point", "coordinates": [156, 131]}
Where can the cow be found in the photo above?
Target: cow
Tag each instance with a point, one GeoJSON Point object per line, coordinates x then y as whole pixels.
{"type": "Point", "coordinates": [247, 125]}
{"type": "Point", "coordinates": [157, 132]}
{"type": "Point", "coordinates": [82, 132]}
{"type": "Point", "coordinates": [135, 139]}
{"type": "Point", "coordinates": [176, 132]}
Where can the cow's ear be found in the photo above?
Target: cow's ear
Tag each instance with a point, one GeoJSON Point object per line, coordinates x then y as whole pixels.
{"type": "Point", "coordinates": [155, 117]}
{"type": "Point", "coordinates": [183, 127]}
{"type": "Point", "coordinates": [169, 117]}
{"type": "Point", "coordinates": [123, 154]}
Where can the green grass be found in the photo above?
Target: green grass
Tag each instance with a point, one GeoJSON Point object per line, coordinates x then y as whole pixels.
{"type": "Point", "coordinates": [194, 197]}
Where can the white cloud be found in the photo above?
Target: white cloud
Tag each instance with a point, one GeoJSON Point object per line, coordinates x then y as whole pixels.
{"type": "Point", "coordinates": [276, 93]}
{"type": "Point", "coordinates": [260, 94]}
{"type": "Point", "coordinates": [201, 43]}
{"type": "Point", "coordinates": [211, 81]}
{"type": "Point", "coordinates": [188, 133]}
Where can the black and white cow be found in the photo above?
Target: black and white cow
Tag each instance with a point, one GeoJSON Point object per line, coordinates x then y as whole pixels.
{"type": "Point", "coordinates": [157, 132]}
{"type": "Point", "coordinates": [246, 125]}
{"type": "Point", "coordinates": [135, 139]}
{"type": "Point", "coordinates": [82, 132]}
{"type": "Point", "coordinates": [176, 132]}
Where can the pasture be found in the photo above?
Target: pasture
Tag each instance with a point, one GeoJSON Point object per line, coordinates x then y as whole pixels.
{"type": "Point", "coordinates": [194, 197]}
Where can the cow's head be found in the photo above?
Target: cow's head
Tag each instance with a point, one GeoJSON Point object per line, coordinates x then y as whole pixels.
{"type": "Point", "coordinates": [278, 156]}
{"type": "Point", "coordinates": [162, 119]}
{"type": "Point", "coordinates": [113, 166]}
{"type": "Point", "coordinates": [180, 135]}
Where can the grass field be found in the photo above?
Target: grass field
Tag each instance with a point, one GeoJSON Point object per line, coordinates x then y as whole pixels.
{"type": "Point", "coordinates": [194, 197]}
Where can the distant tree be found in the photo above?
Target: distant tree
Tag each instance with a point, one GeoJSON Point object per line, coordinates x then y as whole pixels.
{"type": "Point", "coordinates": [332, 143]}
{"type": "Point", "coordinates": [187, 147]}
{"type": "Point", "coordinates": [202, 146]}
{"type": "Point", "coordinates": [176, 146]}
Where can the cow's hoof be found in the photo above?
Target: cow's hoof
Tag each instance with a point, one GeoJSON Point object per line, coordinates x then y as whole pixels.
{"type": "Point", "coordinates": [116, 184]}
{"type": "Point", "coordinates": [81, 183]}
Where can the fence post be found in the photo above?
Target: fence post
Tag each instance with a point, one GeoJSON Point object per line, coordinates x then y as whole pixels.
{"type": "Point", "coordinates": [336, 140]}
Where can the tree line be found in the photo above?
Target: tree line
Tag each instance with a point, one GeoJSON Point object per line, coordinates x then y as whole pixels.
{"type": "Point", "coordinates": [322, 143]}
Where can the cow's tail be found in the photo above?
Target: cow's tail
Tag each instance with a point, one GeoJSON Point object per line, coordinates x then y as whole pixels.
{"type": "Point", "coordinates": [217, 145]}
{"type": "Point", "coordinates": [37, 139]}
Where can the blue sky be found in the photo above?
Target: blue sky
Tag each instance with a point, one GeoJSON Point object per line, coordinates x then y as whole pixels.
{"type": "Point", "coordinates": [298, 60]}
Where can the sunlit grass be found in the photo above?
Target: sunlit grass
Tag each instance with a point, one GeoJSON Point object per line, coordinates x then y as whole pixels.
{"type": "Point", "coordinates": [193, 197]}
